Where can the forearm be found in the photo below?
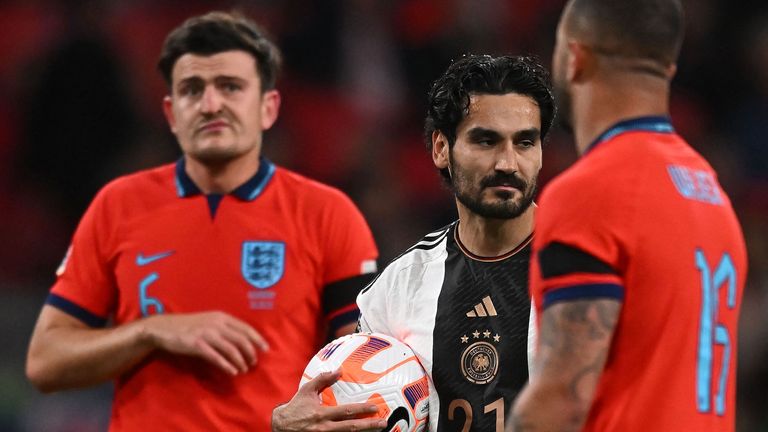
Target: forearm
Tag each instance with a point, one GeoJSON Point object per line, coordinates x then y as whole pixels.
{"type": "Point", "coordinates": [63, 356]}
{"type": "Point", "coordinates": [345, 330]}
{"type": "Point", "coordinates": [573, 346]}
{"type": "Point", "coordinates": [538, 409]}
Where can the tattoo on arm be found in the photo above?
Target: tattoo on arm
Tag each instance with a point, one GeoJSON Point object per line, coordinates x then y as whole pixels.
{"type": "Point", "coordinates": [575, 339]}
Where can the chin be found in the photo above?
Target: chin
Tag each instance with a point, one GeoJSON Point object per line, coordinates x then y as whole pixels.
{"type": "Point", "coordinates": [215, 155]}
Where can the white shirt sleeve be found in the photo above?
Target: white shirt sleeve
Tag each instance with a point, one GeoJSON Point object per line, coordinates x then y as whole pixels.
{"type": "Point", "coordinates": [374, 305]}
{"type": "Point", "coordinates": [532, 336]}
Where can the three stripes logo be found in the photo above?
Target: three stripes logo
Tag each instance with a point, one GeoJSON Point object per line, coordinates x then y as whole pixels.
{"type": "Point", "coordinates": [483, 309]}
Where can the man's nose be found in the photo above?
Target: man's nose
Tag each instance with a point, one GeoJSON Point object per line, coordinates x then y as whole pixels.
{"type": "Point", "coordinates": [506, 158]}
{"type": "Point", "coordinates": [210, 102]}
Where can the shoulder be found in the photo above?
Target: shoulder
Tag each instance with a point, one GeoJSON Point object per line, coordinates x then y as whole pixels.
{"type": "Point", "coordinates": [306, 187]}
{"type": "Point", "coordinates": [607, 174]}
{"type": "Point", "coordinates": [146, 181]}
{"type": "Point", "coordinates": [430, 250]}
{"type": "Point", "coordinates": [313, 196]}
{"type": "Point", "coordinates": [129, 191]}
{"type": "Point", "coordinates": [431, 247]}
{"type": "Point", "coordinates": [125, 198]}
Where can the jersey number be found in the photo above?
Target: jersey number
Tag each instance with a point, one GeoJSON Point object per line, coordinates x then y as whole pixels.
{"type": "Point", "coordinates": [497, 406]}
{"type": "Point", "coordinates": [145, 301]}
{"type": "Point", "coordinates": [713, 333]}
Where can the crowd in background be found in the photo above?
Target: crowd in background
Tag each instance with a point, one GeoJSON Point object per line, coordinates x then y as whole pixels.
{"type": "Point", "coordinates": [80, 104]}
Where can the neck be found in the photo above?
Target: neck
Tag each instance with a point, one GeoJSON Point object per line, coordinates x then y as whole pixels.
{"type": "Point", "coordinates": [223, 177]}
{"type": "Point", "coordinates": [603, 103]}
{"type": "Point", "coordinates": [493, 237]}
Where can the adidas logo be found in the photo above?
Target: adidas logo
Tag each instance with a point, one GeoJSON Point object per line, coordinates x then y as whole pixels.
{"type": "Point", "coordinates": [484, 308]}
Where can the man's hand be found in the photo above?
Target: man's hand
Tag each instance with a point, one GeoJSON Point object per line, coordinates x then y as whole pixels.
{"type": "Point", "coordinates": [217, 337]}
{"type": "Point", "coordinates": [305, 412]}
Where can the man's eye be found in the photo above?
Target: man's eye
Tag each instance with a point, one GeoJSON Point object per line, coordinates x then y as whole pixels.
{"type": "Point", "coordinates": [189, 91]}
{"type": "Point", "coordinates": [231, 87]}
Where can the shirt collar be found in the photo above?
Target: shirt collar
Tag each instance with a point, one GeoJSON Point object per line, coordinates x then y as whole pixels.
{"type": "Point", "coordinates": [247, 191]}
{"type": "Point", "coordinates": [657, 124]}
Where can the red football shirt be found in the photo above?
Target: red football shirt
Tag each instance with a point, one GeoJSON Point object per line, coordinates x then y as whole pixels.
{"type": "Point", "coordinates": [281, 253]}
{"type": "Point", "coordinates": [645, 204]}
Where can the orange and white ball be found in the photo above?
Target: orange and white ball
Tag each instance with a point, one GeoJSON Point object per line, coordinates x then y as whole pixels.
{"type": "Point", "coordinates": [378, 369]}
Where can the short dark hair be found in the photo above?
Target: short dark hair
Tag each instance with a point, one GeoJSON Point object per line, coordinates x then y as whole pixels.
{"type": "Point", "coordinates": [217, 32]}
{"type": "Point", "coordinates": [647, 29]}
{"type": "Point", "coordinates": [448, 101]}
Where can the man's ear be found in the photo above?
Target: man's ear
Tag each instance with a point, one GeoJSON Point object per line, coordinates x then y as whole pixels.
{"type": "Point", "coordinates": [671, 71]}
{"type": "Point", "coordinates": [581, 61]}
{"type": "Point", "coordinates": [440, 149]}
{"type": "Point", "coordinates": [168, 111]}
{"type": "Point", "coordinates": [270, 108]}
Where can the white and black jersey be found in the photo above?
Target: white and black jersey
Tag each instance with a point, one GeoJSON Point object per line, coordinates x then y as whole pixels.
{"type": "Point", "coordinates": [466, 317]}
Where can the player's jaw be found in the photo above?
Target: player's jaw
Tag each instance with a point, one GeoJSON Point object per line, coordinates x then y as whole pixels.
{"type": "Point", "coordinates": [217, 139]}
{"type": "Point", "coordinates": [496, 196]}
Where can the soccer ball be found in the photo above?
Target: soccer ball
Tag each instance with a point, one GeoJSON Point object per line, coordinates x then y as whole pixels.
{"type": "Point", "coordinates": [377, 369]}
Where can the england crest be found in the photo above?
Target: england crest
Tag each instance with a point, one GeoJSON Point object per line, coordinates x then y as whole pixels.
{"type": "Point", "coordinates": [263, 263]}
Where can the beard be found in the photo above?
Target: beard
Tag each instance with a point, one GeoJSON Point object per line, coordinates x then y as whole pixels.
{"type": "Point", "coordinates": [505, 207]}
{"type": "Point", "coordinates": [214, 156]}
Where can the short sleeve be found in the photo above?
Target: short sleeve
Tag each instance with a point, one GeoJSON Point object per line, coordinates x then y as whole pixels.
{"type": "Point", "coordinates": [586, 223]}
{"type": "Point", "coordinates": [372, 302]}
{"type": "Point", "coordinates": [348, 245]}
{"type": "Point", "coordinates": [85, 285]}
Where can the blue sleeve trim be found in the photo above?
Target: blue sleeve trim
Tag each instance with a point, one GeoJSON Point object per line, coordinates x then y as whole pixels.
{"type": "Point", "coordinates": [343, 319]}
{"type": "Point", "coordinates": [584, 292]}
{"type": "Point", "coordinates": [76, 311]}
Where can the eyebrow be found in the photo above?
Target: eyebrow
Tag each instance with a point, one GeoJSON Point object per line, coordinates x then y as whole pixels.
{"type": "Point", "coordinates": [480, 134]}
{"type": "Point", "coordinates": [219, 78]}
{"type": "Point", "coordinates": [527, 134]}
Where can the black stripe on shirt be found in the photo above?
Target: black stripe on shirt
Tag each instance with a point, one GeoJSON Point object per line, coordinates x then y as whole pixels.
{"type": "Point", "coordinates": [343, 293]}
{"type": "Point", "coordinates": [558, 259]}
{"type": "Point", "coordinates": [341, 320]}
{"type": "Point", "coordinates": [429, 242]}
{"type": "Point", "coordinates": [90, 319]}
{"type": "Point", "coordinates": [583, 292]}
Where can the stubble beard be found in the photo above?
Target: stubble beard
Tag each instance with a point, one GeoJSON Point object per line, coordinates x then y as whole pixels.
{"type": "Point", "coordinates": [214, 156]}
{"type": "Point", "coordinates": [505, 208]}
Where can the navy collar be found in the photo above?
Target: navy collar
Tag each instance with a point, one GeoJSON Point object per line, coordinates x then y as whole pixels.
{"type": "Point", "coordinates": [247, 191]}
{"type": "Point", "coordinates": [657, 124]}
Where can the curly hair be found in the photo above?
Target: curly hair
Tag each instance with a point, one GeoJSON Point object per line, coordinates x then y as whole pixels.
{"type": "Point", "coordinates": [448, 101]}
{"type": "Point", "coordinates": [217, 32]}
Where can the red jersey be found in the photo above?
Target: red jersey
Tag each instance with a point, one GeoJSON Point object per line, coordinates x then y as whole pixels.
{"type": "Point", "coordinates": [645, 204]}
{"type": "Point", "coordinates": [279, 253]}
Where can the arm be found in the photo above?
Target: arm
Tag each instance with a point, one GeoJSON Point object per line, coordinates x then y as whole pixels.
{"type": "Point", "coordinates": [349, 262]}
{"type": "Point", "coordinates": [339, 304]}
{"type": "Point", "coordinates": [65, 353]}
{"type": "Point", "coordinates": [305, 412]}
{"type": "Point", "coordinates": [574, 341]}
{"type": "Point", "coordinates": [345, 329]}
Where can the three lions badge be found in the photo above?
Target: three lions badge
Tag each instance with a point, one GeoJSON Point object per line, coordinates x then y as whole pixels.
{"type": "Point", "coordinates": [263, 263]}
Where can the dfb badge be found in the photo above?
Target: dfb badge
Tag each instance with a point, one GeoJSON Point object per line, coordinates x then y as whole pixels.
{"type": "Point", "coordinates": [263, 263]}
{"type": "Point", "coordinates": [480, 360]}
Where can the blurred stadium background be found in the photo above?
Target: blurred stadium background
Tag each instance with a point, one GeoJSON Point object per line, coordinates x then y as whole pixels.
{"type": "Point", "coordinates": [80, 105]}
